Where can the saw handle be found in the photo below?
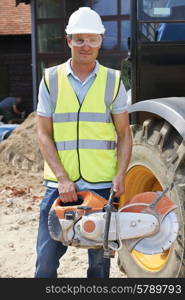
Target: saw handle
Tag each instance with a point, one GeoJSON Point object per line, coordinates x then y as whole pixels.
{"type": "Point", "coordinates": [72, 203]}
{"type": "Point", "coordinates": [108, 209]}
{"type": "Point", "coordinates": [160, 195]}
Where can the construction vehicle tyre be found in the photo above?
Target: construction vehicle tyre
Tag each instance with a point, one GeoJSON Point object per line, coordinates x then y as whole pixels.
{"type": "Point", "coordinates": [158, 153]}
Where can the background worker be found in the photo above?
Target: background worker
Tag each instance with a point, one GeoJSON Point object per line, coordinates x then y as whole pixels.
{"type": "Point", "coordinates": [80, 121]}
{"type": "Point", "coordinates": [12, 109]}
{"type": "Point", "coordinates": [9, 101]}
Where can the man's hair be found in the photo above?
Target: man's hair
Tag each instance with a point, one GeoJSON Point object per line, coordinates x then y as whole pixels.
{"type": "Point", "coordinates": [21, 106]}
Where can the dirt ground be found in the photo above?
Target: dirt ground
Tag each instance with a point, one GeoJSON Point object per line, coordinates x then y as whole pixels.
{"type": "Point", "coordinates": [21, 191]}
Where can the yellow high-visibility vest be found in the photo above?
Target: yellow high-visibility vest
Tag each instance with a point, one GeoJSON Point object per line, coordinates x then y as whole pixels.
{"type": "Point", "coordinates": [84, 134]}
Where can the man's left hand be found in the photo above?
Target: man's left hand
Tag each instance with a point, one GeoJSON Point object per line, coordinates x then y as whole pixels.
{"type": "Point", "coordinates": [118, 185]}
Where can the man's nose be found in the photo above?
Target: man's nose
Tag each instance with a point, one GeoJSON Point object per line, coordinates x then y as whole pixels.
{"type": "Point", "coordinates": [86, 46]}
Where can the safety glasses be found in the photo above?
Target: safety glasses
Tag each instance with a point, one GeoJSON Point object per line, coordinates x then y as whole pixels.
{"type": "Point", "coordinates": [94, 41]}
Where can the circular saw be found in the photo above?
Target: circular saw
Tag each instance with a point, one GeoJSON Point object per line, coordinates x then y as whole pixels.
{"type": "Point", "coordinates": [147, 223]}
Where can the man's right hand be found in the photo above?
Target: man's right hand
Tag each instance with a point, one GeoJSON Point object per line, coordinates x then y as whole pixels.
{"type": "Point", "coordinates": [67, 190]}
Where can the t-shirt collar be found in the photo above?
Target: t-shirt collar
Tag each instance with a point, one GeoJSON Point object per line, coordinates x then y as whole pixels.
{"type": "Point", "coordinates": [70, 71]}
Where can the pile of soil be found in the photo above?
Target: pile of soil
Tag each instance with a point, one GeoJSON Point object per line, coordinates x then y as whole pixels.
{"type": "Point", "coordinates": [20, 150]}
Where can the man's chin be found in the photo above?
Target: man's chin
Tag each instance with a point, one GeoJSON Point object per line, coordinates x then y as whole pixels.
{"type": "Point", "coordinates": [86, 59]}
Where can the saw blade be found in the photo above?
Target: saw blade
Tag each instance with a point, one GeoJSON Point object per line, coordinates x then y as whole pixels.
{"type": "Point", "coordinates": [162, 240]}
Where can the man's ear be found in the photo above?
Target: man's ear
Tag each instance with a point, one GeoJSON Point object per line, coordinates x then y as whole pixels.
{"type": "Point", "coordinates": [68, 38]}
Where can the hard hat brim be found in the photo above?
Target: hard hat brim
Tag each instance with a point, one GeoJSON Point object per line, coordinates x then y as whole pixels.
{"type": "Point", "coordinates": [81, 31]}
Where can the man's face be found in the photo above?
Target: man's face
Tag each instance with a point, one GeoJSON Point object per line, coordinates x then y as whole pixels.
{"type": "Point", "coordinates": [84, 47]}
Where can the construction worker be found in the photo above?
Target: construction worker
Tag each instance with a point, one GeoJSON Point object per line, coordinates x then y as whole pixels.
{"type": "Point", "coordinates": [82, 115]}
{"type": "Point", "coordinates": [12, 110]}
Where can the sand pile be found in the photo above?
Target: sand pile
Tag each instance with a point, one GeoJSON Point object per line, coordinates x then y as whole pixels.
{"type": "Point", "coordinates": [21, 163]}
{"type": "Point", "coordinates": [21, 149]}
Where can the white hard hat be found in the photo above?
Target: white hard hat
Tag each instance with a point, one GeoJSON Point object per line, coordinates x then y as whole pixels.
{"type": "Point", "coordinates": [85, 20]}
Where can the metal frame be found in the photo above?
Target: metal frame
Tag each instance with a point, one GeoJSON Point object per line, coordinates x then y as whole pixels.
{"type": "Point", "coordinates": [146, 55]}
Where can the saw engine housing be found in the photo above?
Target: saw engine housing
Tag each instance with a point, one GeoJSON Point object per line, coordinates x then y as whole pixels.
{"type": "Point", "coordinates": [83, 225]}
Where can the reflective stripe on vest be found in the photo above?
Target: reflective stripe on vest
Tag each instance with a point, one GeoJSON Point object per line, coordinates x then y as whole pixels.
{"type": "Point", "coordinates": [84, 134]}
{"type": "Point", "coordinates": [85, 144]}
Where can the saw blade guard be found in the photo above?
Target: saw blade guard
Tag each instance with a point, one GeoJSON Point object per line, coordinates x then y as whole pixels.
{"type": "Point", "coordinates": [168, 231]}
